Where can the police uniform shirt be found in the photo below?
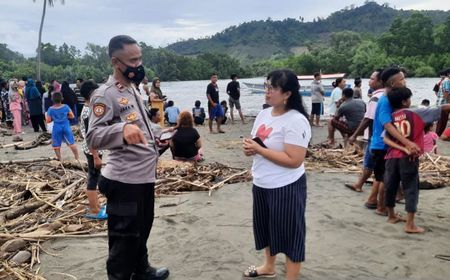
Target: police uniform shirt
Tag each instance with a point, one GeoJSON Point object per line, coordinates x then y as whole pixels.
{"type": "Point", "coordinates": [112, 106]}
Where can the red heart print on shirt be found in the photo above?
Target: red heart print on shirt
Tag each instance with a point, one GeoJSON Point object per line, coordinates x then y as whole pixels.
{"type": "Point", "coordinates": [263, 132]}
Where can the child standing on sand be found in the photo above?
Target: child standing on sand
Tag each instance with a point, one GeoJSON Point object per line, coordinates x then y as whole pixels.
{"type": "Point", "coordinates": [430, 139]}
{"type": "Point", "coordinates": [400, 164]}
{"type": "Point", "coordinates": [60, 115]}
{"type": "Point", "coordinates": [93, 157]}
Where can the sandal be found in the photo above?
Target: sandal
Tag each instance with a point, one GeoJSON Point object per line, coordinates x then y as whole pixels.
{"type": "Point", "coordinates": [371, 206]}
{"type": "Point", "coordinates": [101, 215]}
{"type": "Point", "coordinates": [251, 272]}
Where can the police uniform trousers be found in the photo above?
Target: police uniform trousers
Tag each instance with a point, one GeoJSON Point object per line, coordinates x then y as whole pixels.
{"type": "Point", "coordinates": [130, 209]}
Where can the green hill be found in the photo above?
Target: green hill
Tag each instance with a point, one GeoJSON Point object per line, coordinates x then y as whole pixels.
{"type": "Point", "coordinates": [270, 39]}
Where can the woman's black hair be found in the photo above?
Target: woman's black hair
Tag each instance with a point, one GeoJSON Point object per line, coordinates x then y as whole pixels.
{"type": "Point", "coordinates": [337, 82]}
{"type": "Point", "coordinates": [358, 81]}
{"type": "Point", "coordinates": [153, 112]}
{"type": "Point", "coordinates": [155, 80]}
{"type": "Point", "coordinates": [286, 80]}
{"type": "Point", "coordinates": [197, 103]}
{"type": "Point", "coordinates": [87, 88]}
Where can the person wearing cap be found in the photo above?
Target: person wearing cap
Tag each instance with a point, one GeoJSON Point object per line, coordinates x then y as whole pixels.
{"type": "Point", "coordinates": [118, 122]}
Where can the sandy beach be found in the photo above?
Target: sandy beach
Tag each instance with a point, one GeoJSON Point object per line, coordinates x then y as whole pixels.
{"type": "Point", "coordinates": [212, 237]}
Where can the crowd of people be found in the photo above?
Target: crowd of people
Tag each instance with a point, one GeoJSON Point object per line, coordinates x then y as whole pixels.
{"type": "Point", "coordinates": [125, 116]}
{"type": "Point", "coordinates": [396, 136]}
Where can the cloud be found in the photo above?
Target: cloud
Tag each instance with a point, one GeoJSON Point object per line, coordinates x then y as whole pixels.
{"type": "Point", "coordinates": [157, 23]}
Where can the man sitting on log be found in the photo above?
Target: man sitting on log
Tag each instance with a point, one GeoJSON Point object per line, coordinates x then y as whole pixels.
{"type": "Point", "coordinates": [347, 118]}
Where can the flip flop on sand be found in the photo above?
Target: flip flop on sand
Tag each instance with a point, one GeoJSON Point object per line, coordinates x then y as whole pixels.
{"type": "Point", "coordinates": [384, 214]}
{"type": "Point", "coordinates": [350, 186]}
{"type": "Point", "coordinates": [252, 273]}
{"type": "Point", "coordinates": [371, 206]}
{"type": "Point", "coordinates": [101, 215]}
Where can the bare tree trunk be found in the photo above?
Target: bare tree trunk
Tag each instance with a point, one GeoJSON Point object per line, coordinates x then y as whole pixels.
{"type": "Point", "coordinates": [39, 48]}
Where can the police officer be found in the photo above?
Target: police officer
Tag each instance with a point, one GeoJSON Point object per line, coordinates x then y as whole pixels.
{"type": "Point", "coordinates": [118, 123]}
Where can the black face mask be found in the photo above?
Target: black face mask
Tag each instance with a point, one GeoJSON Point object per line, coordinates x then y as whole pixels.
{"type": "Point", "coordinates": [134, 74]}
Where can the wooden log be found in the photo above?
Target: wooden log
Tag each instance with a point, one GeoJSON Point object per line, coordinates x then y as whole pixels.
{"type": "Point", "coordinates": [218, 185]}
{"type": "Point", "coordinates": [54, 236]}
{"type": "Point", "coordinates": [22, 161]}
{"type": "Point", "coordinates": [30, 207]}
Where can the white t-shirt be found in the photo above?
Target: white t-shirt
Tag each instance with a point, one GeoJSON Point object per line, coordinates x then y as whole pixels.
{"type": "Point", "coordinates": [275, 131]}
{"type": "Point", "coordinates": [336, 95]}
{"type": "Point", "coordinates": [372, 108]}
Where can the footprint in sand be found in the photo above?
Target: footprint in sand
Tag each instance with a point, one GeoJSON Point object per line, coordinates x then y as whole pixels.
{"type": "Point", "coordinates": [391, 229]}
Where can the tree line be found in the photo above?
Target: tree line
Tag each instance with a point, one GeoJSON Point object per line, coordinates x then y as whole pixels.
{"type": "Point", "coordinates": [414, 43]}
{"type": "Point", "coordinates": [68, 63]}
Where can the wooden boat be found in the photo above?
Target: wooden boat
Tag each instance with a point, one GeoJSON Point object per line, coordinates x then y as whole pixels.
{"type": "Point", "coordinates": [305, 84]}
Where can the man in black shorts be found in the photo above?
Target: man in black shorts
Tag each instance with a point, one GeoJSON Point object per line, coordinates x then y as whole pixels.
{"type": "Point", "coordinates": [234, 93]}
{"type": "Point", "coordinates": [214, 108]}
{"type": "Point", "coordinates": [317, 93]}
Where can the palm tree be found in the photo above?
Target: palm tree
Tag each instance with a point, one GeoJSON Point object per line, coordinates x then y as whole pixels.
{"type": "Point", "coordinates": [39, 48]}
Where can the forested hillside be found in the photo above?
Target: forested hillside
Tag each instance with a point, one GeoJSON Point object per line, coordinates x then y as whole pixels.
{"type": "Point", "coordinates": [269, 39]}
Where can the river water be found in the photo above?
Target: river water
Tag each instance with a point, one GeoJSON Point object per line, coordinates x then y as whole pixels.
{"type": "Point", "coordinates": [185, 93]}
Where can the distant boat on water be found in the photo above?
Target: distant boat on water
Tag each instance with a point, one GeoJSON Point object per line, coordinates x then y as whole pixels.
{"type": "Point", "coordinates": [305, 88]}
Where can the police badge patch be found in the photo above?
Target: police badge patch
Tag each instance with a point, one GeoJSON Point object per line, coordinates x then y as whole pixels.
{"type": "Point", "coordinates": [132, 117]}
{"type": "Point", "coordinates": [123, 101]}
{"type": "Point", "coordinates": [99, 109]}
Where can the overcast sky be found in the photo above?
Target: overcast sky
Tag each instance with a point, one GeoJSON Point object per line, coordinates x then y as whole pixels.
{"type": "Point", "coordinates": [157, 23]}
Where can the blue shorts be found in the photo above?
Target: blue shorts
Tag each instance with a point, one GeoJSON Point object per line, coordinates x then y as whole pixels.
{"type": "Point", "coordinates": [216, 112]}
{"type": "Point", "coordinates": [368, 162]}
{"type": "Point", "coordinates": [62, 132]}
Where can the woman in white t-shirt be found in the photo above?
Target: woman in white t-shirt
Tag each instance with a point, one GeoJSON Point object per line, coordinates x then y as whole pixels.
{"type": "Point", "coordinates": [336, 95]}
{"type": "Point", "coordinates": [279, 180]}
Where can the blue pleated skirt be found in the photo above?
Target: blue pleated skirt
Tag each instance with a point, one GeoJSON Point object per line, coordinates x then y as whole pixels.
{"type": "Point", "coordinates": [279, 219]}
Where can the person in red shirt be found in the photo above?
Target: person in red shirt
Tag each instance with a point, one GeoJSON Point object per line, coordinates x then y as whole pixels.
{"type": "Point", "coordinates": [401, 165]}
{"type": "Point", "coordinates": [446, 135]}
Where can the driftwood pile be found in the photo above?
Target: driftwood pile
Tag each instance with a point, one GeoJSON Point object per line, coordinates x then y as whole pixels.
{"type": "Point", "coordinates": [334, 160]}
{"type": "Point", "coordinates": [39, 200]}
{"type": "Point", "coordinates": [178, 177]}
{"type": "Point", "coordinates": [44, 199]}
{"type": "Point", "coordinates": [434, 170]}
{"type": "Point", "coordinates": [43, 139]}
